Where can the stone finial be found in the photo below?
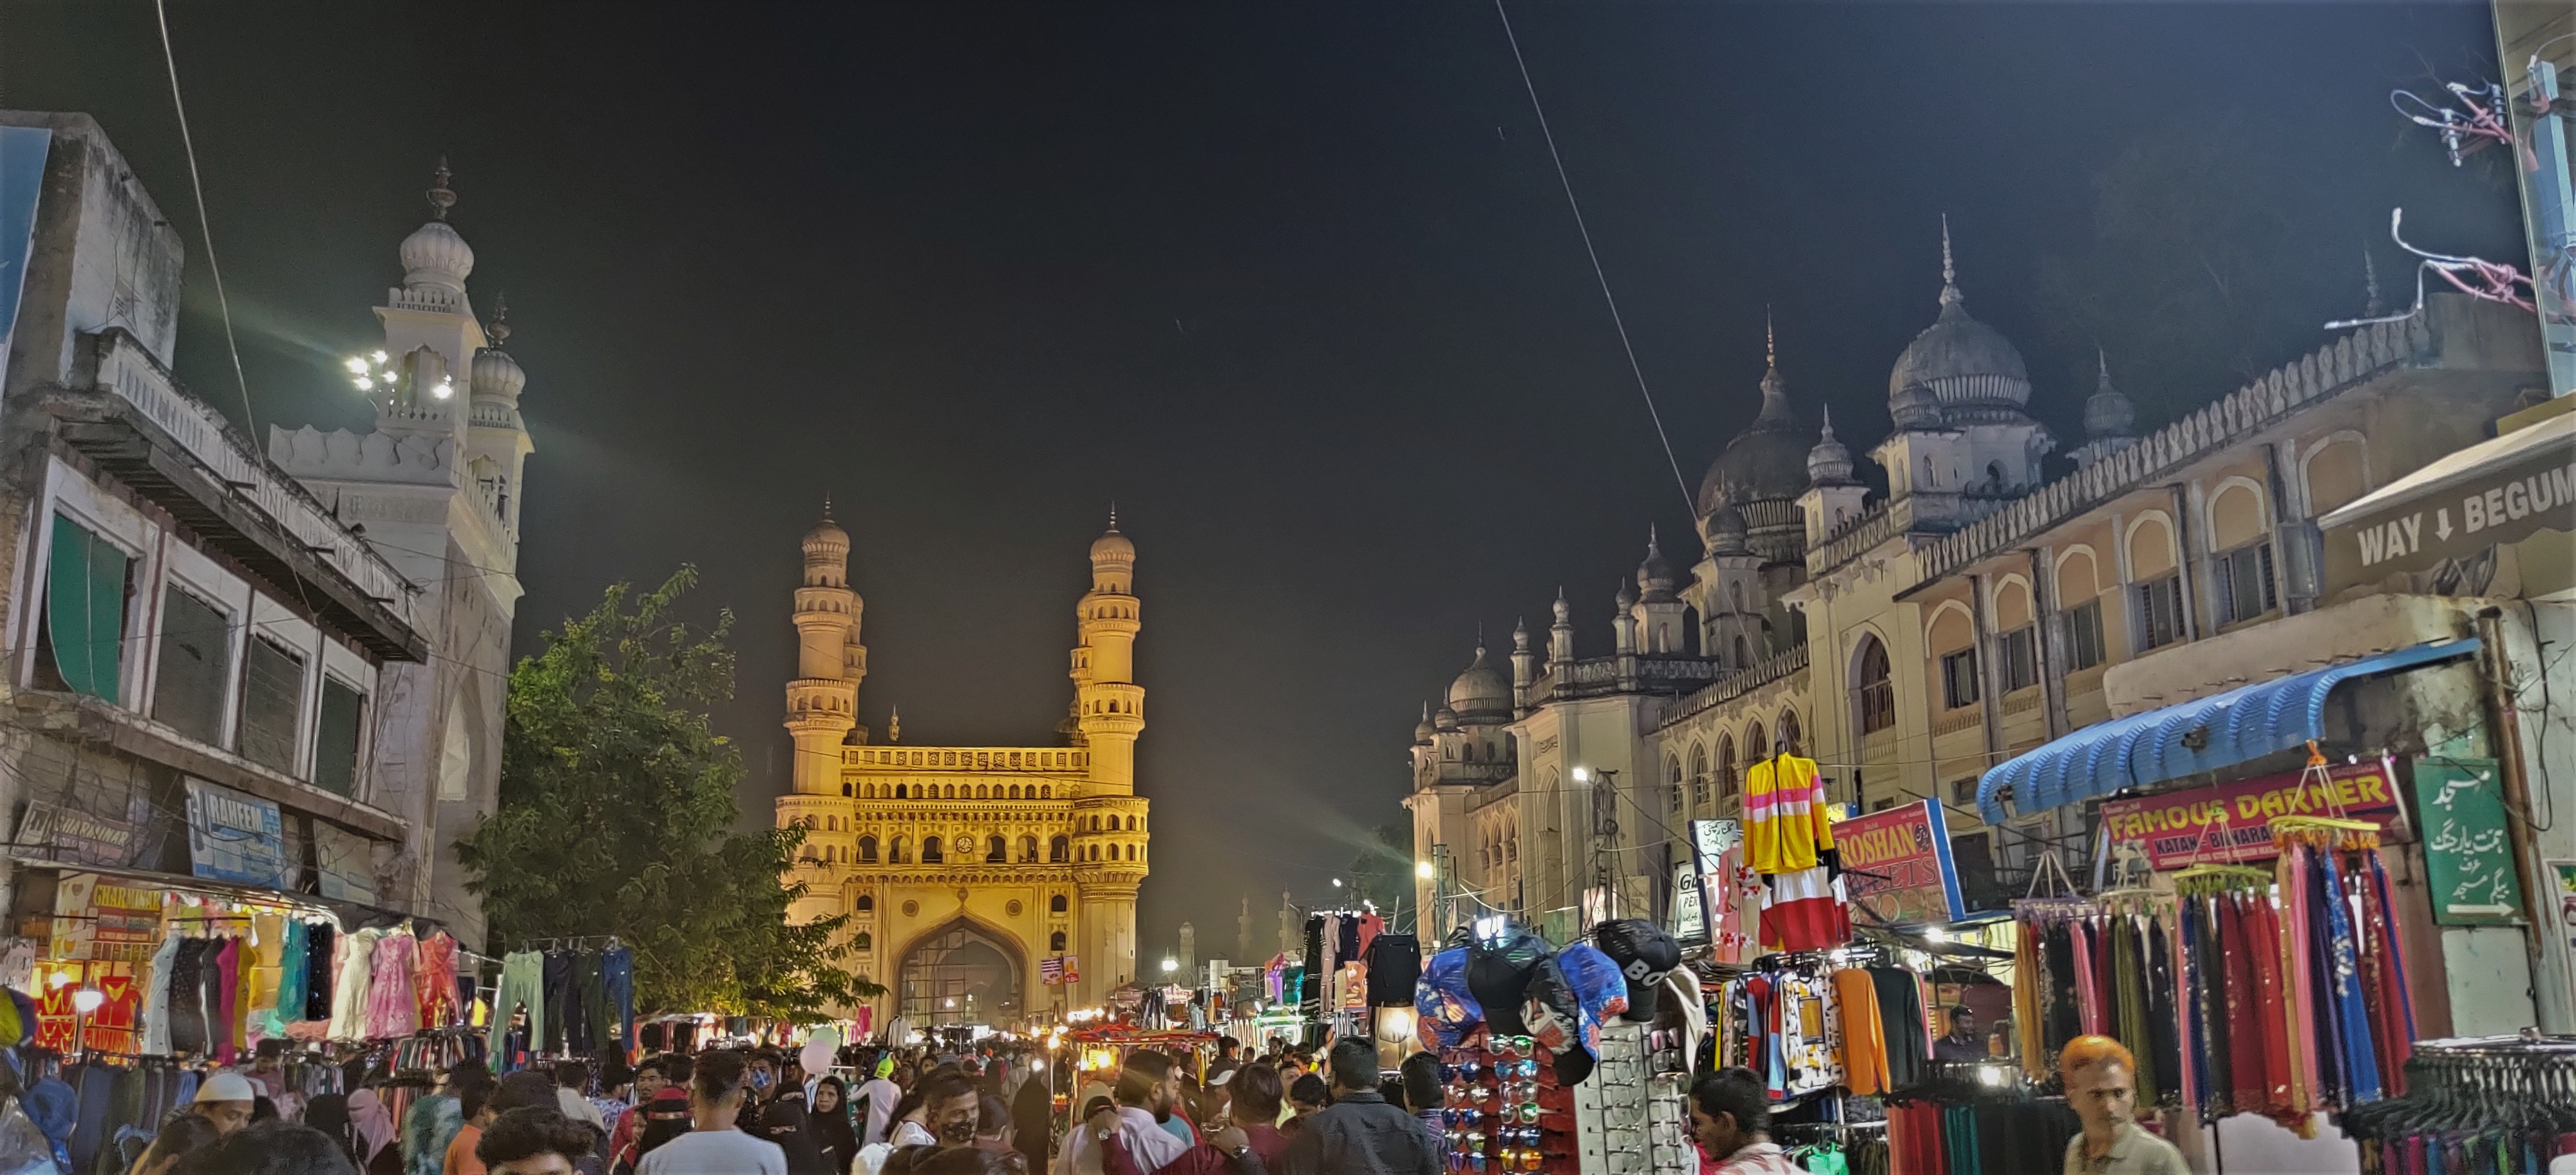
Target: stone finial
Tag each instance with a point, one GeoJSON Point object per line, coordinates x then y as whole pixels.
{"type": "Point", "coordinates": [498, 330]}
{"type": "Point", "coordinates": [1950, 295]}
{"type": "Point", "coordinates": [441, 197]}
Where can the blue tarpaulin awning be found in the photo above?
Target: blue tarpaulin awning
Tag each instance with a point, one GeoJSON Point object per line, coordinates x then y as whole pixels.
{"type": "Point", "coordinates": [2187, 739]}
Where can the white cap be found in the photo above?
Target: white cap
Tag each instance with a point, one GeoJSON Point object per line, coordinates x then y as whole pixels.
{"type": "Point", "coordinates": [226, 1086]}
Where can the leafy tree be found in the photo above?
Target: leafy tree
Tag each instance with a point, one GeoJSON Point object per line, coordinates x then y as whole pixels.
{"type": "Point", "coordinates": [617, 817]}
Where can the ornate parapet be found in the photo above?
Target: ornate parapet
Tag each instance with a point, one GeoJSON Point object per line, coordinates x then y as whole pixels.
{"type": "Point", "coordinates": [341, 455]}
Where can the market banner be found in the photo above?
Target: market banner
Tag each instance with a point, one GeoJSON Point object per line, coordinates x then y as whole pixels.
{"type": "Point", "coordinates": [235, 837]}
{"type": "Point", "coordinates": [97, 919]}
{"type": "Point", "coordinates": [2468, 855]}
{"type": "Point", "coordinates": [1897, 867]}
{"type": "Point", "coordinates": [2230, 823]}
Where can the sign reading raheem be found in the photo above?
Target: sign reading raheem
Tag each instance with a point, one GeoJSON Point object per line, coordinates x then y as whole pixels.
{"type": "Point", "coordinates": [2232, 822]}
{"type": "Point", "coordinates": [1897, 867]}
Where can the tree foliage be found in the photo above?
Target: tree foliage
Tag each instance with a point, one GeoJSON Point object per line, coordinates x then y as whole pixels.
{"type": "Point", "coordinates": [617, 817]}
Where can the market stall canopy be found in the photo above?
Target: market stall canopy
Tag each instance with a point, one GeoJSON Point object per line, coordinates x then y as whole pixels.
{"type": "Point", "coordinates": [2496, 491]}
{"type": "Point", "coordinates": [2223, 730]}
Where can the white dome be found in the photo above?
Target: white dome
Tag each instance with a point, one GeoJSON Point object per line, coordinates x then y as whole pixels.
{"type": "Point", "coordinates": [433, 255]}
{"type": "Point", "coordinates": [497, 375]}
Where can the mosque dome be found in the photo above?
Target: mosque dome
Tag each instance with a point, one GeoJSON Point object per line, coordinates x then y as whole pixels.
{"type": "Point", "coordinates": [434, 255]}
{"type": "Point", "coordinates": [1112, 547]}
{"type": "Point", "coordinates": [1829, 463]}
{"type": "Point", "coordinates": [1422, 733]}
{"type": "Point", "coordinates": [1963, 362]}
{"type": "Point", "coordinates": [1765, 462]}
{"type": "Point", "coordinates": [1915, 407]}
{"type": "Point", "coordinates": [1480, 691]}
{"type": "Point", "coordinates": [1655, 577]}
{"type": "Point", "coordinates": [497, 374]}
{"type": "Point", "coordinates": [827, 535]}
{"type": "Point", "coordinates": [1726, 532]}
{"type": "Point", "coordinates": [2108, 412]}
{"type": "Point", "coordinates": [1444, 719]}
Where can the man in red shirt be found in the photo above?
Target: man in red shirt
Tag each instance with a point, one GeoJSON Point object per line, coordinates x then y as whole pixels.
{"type": "Point", "coordinates": [1250, 1145]}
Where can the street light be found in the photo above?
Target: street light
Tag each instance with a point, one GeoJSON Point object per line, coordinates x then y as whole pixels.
{"type": "Point", "coordinates": [84, 1002]}
{"type": "Point", "coordinates": [1425, 870]}
{"type": "Point", "coordinates": [1337, 883]}
{"type": "Point", "coordinates": [1170, 964]}
{"type": "Point", "coordinates": [1582, 775]}
{"type": "Point", "coordinates": [376, 370]}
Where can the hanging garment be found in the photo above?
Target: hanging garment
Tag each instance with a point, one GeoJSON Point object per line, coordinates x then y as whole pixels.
{"type": "Point", "coordinates": [1785, 820]}
{"type": "Point", "coordinates": [156, 1000]}
{"type": "Point", "coordinates": [293, 968]}
{"type": "Point", "coordinates": [223, 1002]}
{"type": "Point", "coordinates": [1805, 911]}
{"type": "Point", "coordinates": [434, 981]}
{"type": "Point", "coordinates": [1864, 1052]}
{"type": "Point", "coordinates": [522, 986]}
{"type": "Point", "coordinates": [355, 970]}
{"type": "Point", "coordinates": [321, 942]}
{"type": "Point", "coordinates": [393, 1001]}
{"type": "Point", "coordinates": [617, 971]}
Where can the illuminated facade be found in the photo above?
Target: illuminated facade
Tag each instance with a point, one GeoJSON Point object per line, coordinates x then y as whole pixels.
{"type": "Point", "coordinates": [963, 867]}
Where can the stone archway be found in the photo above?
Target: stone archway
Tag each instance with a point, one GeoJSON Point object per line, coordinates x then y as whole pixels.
{"type": "Point", "coordinates": [961, 973]}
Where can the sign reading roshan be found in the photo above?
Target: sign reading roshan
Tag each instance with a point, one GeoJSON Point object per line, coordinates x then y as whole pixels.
{"type": "Point", "coordinates": [1897, 866]}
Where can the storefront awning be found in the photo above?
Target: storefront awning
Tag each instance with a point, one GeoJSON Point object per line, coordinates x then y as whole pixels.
{"type": "Point", "coordinates": [2218, 731]}
{"type": "Point", "coordinates": [2502, 490]}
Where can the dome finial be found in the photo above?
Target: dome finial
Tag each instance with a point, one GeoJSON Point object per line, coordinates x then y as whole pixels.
{"type": "Point", "coordinates": [498, 330]}
{"type": "Point", "coordinates": [1113, 517]}
{"type": "Point", "coordinates": [1775, 391]}
{"type": "Point", "coordinates": [1770, 341]}
{"type": "Point", "coordinates": [441, 197]}
{"type": "Point", "coordinates": [827, 505]}
{"type": "Point", "coordinates": [1950, 295]}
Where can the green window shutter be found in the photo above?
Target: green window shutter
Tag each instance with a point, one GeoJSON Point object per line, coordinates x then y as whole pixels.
{"type": "Point", "coordinates": [85, 609]}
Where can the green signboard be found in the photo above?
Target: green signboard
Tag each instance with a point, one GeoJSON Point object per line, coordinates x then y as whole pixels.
{"type": "Point", "coordinates": [2468, 851]}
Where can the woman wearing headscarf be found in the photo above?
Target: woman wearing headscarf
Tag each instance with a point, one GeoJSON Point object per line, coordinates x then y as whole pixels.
{"type": "Point", "coordinates": [830, 1121]}
{"type": "Point", "coordinates": [665, 1117]}
{"type": "Point", "coordinates": [1032, 1111]}
{"type": "Point", "coordinates": [373, 1125]}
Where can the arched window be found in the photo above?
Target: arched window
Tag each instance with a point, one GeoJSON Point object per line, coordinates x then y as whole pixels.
{"type": "Point", "coordinates": [931, 852]}
{"type": "Point", "coordinates": [899, 790]}
{"type": "Point", "coordinates": [1790, 734]}
{"type": "Point", "coordinates": [1743, 655]}
{"type": "Point", "coordinates": [864, 941]}
{"type": "Point", "coordinates": [1046, 791]}
{"type": "Point", "coordinates": [1028, 850]}
{"type": "Point", "coordinates": [1055, 904]}
{"type": "Point", "coordinates": [1059, 851]}
{"type": "Point", "coordinates": [1729, 783]}
{"type": "Point", "coordinates": [1673, 781]}
{"type": "Point", "coordinates": [997, 851]}
{"type": "Point", "coordinates": [847, 792]}
{"type": "Point", "coordinates": [952, 792]}
{"type": "Point", "coordinates": [1131, 852]}
{"type": "Point", "coordinates": [1873, 695]}
{"type": "Point", "coordinates": [867, 904]}
{"type": "Point", "coordinates": [1015, 791]}
{"type": "Point", "coordinates": [983, 792]}
{"type": "Point", "coordinates": [1699, 775]}
{"type": "Point", "coordinates": [1055, 941]}
{"type": "Point", "coordinates": [867, 850]}
{"type": "Point", "coordinates": [898, 853]}
{"type": "Point", "coordinates": [1131, 824]}
{"type": "Point", "coordinates": [1757, 747]}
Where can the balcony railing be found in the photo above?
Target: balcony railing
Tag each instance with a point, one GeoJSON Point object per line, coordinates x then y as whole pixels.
{"type": "Point", "coordinates": [1753, 677]}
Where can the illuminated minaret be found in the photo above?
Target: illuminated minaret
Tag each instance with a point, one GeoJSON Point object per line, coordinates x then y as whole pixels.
{"type": "Point", "coordinates": [1110, 829]}
{"type": "Point", "coordinates": [823, 699]}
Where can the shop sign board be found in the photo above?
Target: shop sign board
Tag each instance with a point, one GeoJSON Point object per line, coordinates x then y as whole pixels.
{"type": "Point", "coordinates": [345, 863]}
{"type": "Point", "coordinates": [235, 837]}
{"type": "Point", "coordinates": [1688, 924]}
{"type": "Point", "coordinates": [1897, 866]}
{"type": "Point", "coordinates": [2528, 489]}
{"type": "Point", "coordinates": [2468, 855]}
{"type": "Point", "coordinates": [2229, 823]}
{"type": "Point", "coordinates": [105, 921]}
{"type": "Point", "coordinates": [78, 837]}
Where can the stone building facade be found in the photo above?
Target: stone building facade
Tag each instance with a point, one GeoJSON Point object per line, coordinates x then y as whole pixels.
{"type": "Point", "coordinates": [1983, 605]}
{"type": "Point", "coordinates": [962, 868]}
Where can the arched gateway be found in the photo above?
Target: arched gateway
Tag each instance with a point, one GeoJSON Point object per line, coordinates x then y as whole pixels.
{"type": "Point", "coordinates": [961, 974]}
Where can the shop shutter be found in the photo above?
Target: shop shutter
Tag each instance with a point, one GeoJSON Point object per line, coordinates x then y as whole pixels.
{"type": "Point", "coordinates": [85, 609]}
{"type": "Point", "coordinates": [335, 744]}
{"type": "Point", "coordinates": [272, 685]}
{"type": "Point", "coordinates": [194, 667]}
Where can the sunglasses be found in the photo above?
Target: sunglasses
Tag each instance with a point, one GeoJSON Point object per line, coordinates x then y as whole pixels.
{"type": "Point", "coordinates": [1515, 1046]}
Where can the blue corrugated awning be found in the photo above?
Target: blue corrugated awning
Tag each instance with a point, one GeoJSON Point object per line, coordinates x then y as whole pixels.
{"type": "Point", "coordinates": [2242, 724]}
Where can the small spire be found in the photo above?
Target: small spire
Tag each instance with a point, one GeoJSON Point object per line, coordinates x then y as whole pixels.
{"type": "Point", "coordinates": [498, 330]}
{"type": "Point", "coordinates": [441, 197]}
{"type": "Point", "coordinates": [1113, 517]}
{"type": "Point", "coordinates": [894, 724]}
{"type": "Point", "coordinates": [1770, 341]}
{"type": "Point", "coordinates": [1652, 549]}
{"type": "Point", "coordinates": [827, 505]}
{"type": "Point", "coordinates": [2103, 358]}
{"type": "Point", "coordinates": [1950, 295]}
{"type": "Point", "coordinates": [1829, 422]}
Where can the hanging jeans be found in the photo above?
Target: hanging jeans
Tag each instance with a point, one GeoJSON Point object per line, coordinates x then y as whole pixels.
{"type": "Point", "coordinates": [598, 1016]}
{"type": "Point", "coordinates": [523, 980]}
{"type": "Point", "coordinates": [564, 1026]}
{"type": "Point", "coordinates": [617, 977]}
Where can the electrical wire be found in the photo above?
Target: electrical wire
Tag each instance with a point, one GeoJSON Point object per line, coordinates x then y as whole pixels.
{"type": "Point", "coordinates": [2496, 281]}
{"type": "Point", "coordinates": [1690, 505]}
{"type": "Point", "coordinates": [205, 226]}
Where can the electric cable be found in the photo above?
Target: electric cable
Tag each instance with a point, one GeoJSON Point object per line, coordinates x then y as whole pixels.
{"type": "Point", "coordinates": [1690, 505]}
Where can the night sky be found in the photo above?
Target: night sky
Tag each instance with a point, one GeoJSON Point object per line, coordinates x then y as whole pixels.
{"type": "Point", "coordinates": [1293, 284]}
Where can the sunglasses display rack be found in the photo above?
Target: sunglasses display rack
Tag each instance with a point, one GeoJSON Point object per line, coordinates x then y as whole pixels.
{"type": "Point", "coordinates": [1503, 1111]}
{"type": "Point", "coordinates": [1631, 1119]}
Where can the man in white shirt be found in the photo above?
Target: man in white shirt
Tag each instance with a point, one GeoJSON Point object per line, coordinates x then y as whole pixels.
{"type": "Point", "coordinates": [1144, 1098]}
{"type": "Point", "coordinates": [571, 1079]}
{"type": "Point", "coordinates": [713, 1146]}
{"type": "Point", "coordinates": [879, 1095]}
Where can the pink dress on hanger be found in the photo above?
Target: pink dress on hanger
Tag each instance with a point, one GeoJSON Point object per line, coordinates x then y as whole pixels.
{"type": "Point", "coordinates": [392, 1008]}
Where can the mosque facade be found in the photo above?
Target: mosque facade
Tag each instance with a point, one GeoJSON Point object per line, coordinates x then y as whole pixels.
{"type": "Point", "coordinates": [963, 869]}
{"type": "Point", "coordinates": [1985, 602]}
